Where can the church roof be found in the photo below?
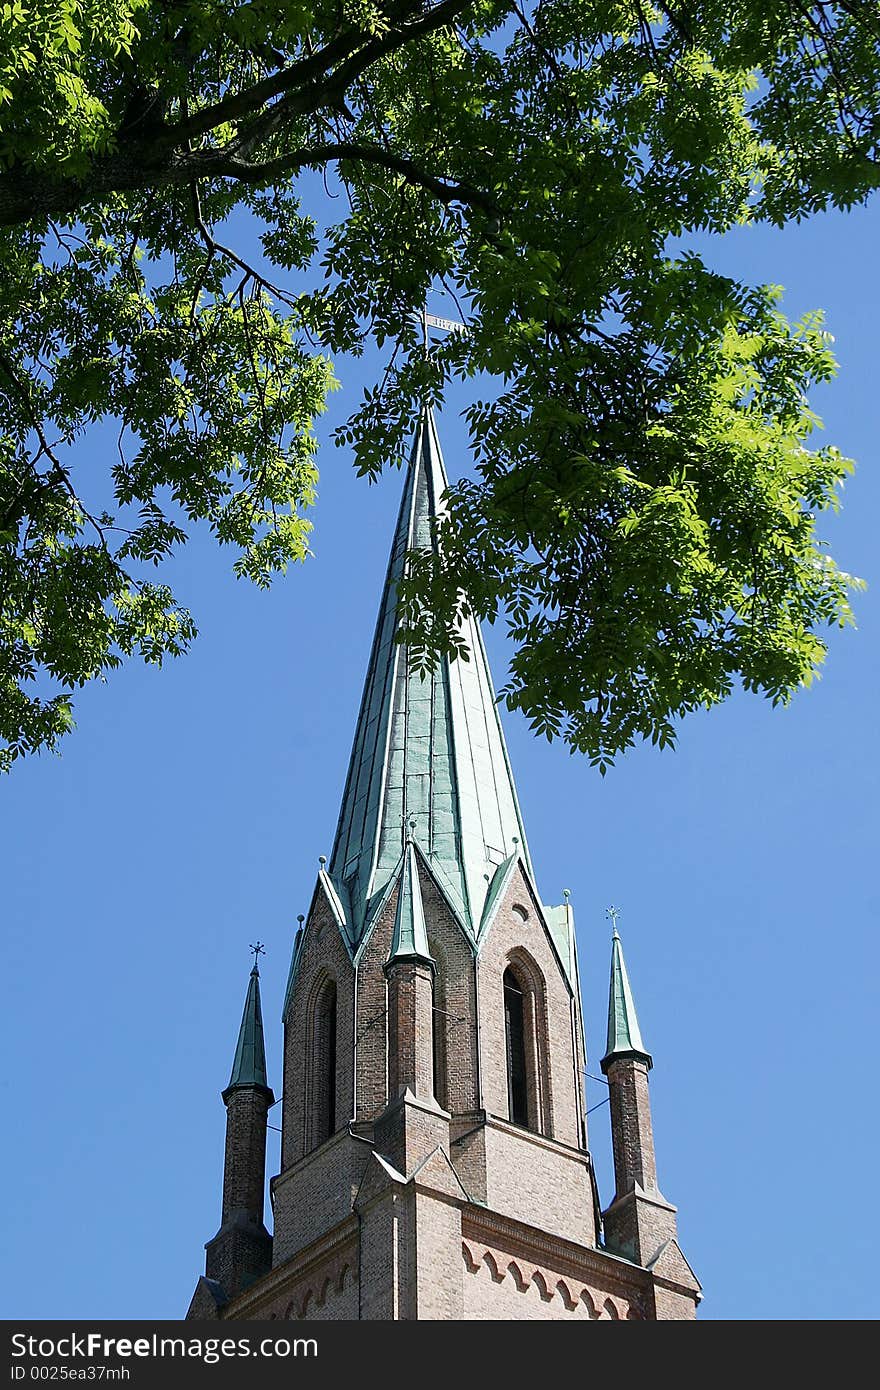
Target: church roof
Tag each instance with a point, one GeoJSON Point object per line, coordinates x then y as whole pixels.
{"type": "Point", "coordinates": [249, 1064]}
{"type": "Point", "coordinates": [624, 1034]}
{"type": "Point", "coordinates": [426, 750]}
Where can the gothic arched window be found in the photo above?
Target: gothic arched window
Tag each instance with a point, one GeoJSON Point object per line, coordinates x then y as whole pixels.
{"type": "Point", "coordinates": [524, 1031]}
{"type": "Point", "coordinates": [323, 1078]}
{"type": "Point", "coordinates": [440, 1027]}
{"type": "Point", "coordinates": [514, 1028]}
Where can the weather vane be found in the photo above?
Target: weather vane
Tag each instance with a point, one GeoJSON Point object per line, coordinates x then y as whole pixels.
{"type": "Point", "coordinates": [258, 949]}
{"type": "Point", "coordinates": [612, 913]}
{"type": "Point", "coordinates": [426, 321]}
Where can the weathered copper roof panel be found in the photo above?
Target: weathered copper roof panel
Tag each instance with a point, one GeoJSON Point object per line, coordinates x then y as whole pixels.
{"type": "Point", "coordinates": [427, 751]}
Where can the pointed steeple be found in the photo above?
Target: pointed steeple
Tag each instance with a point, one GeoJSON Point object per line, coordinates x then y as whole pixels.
{"type": "Point", "coordinates": [624, 1035]}
{"type": "Point", "coordinates": [410, 939]}
{"type": "Point", "coordinates": [249, 1063]}
{"type": "Point", "coordinates": [427, 748]}
{"type": "Point", "coordinates": [241, 1251]}
{"type": "Point", "coordinates": [640, 1223]}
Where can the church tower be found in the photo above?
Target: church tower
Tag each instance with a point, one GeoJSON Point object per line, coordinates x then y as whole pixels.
{"type": "Point", "coordinates": [434, 1159]}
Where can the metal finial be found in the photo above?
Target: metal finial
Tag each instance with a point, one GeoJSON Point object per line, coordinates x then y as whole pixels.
{"type": "Point", "coordinates": [566, 893]}
{"type": "Point", "coordinates": [515, 839]}
{"type": "Point", "coordinates": [258, 949]}
{"type": "Point", "coordinates": [300, 917]}
{"type": "Point", "coordinates": [613, 913]}
{"type": "Point", "coordinates": [322, 860]}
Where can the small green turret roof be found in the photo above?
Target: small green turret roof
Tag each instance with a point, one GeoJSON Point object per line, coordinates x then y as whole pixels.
{"type": "Point", "coordinates": [249, 1064]}
{"type": "Point", "coordinates": [410, 939]}
{"type": "Point", "coordinates": [624, 1035]}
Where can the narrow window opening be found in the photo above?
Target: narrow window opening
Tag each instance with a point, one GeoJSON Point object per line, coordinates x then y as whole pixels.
{"type": "Point", "coordinates": [440, 1036]}
{"type": "Point", "coordinates": [514, 1020]}
{"type": "Point", "coordinates": [325, 1065]}
{"type": "Point", "coordinates": [437, 1044]}
{"type": "Point", "coordinates": [330, 1117]}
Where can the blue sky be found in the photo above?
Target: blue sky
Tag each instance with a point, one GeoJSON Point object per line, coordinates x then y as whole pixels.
{"type": "Point", "coordinates": [185, 818]}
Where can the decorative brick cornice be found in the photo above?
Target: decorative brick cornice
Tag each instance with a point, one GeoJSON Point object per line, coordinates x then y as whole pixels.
{"type": "Point", "coordinates": [596, 1293]}
{"type": "Point", "coordinates": [495, 1230]}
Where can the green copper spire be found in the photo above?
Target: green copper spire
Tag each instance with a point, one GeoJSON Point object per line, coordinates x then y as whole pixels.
{"type": "Point", "coordinates": [410, 939]}
{"type": "Point", "coordinates": [425, 750]}
{"type": "Point", "coordinates": [249, 1066]}
{"type": "Point", "coordinates": [624, 1037]}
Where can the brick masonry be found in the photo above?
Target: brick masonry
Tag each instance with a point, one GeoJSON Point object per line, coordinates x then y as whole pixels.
{"type": "Point", "coordinates": [632, 1133]}
{"type": "Point", "coordinates": [428, 1202]}
{"type": "Point", "coordinates": [244, 1167]}
{"type": "Point", "coordinates": [410, 1029]}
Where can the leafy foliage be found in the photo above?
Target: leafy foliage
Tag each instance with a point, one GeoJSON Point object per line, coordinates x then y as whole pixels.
{"type": "Point", "coordinates": [645, 499]}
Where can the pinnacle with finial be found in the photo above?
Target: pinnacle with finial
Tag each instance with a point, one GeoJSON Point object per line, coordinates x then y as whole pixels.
{"type": "Point", "coordinates": [249, 1064]}
{"type": "Point", "coordinates": [624, 1034]}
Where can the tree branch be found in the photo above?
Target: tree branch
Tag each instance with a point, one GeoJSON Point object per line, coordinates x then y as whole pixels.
{"type": "Point", "coordinates": [354, 51]}
{"type": "Point", "coordinates": [24, 198]}
{"type": "Point", "coordinates": [222, 164]}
